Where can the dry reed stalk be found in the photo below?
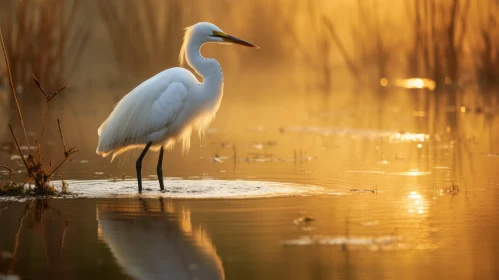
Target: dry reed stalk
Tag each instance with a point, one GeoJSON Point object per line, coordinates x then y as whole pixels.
{"type": "Point", "coordinates": [35, 169]}
{"type": "Point", "coordinates": [486, 48]}
{"type": "Point", "coordinates": [42, 39]}
{"type": "Point", "coordinates": [154, 45]}
{"type": "Point", "coordinates": [13, 89]}
{"type": "Point", "coordinates": [440, 28]}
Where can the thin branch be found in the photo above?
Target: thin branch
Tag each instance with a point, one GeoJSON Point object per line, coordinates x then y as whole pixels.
{"type": "Point", "coordinates": [8, 169]}
{"type": "Point", "coordinates": [62, 136]}
{"type": "Point", "coordinates": [18, 148]}
{"type": "Point", "coordinates": [13, 89]}
{"type": "Point", "coordinates": [57, 92]}
{"type": "Point", "coordinates": [72, 150]}
{"type": "Point", "coordinates": [67, 153]}
{"type": "Point", "coordinates": [47, 104]}
{"type": "Point", "coordinates": [37, 82]}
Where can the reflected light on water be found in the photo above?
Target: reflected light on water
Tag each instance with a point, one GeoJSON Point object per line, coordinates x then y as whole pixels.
{"type": "Point", "coordinates": [416, 203]}
{"type": "Point", "coordinates": [416, 83]}
{"type": "Point", "coordinates": [409, 137]}
{"type": "Point", "coordinates": [383, 82]}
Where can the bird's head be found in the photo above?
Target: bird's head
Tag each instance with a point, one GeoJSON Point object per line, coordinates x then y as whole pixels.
{"type": "Point", "coordinates": [207, 32]}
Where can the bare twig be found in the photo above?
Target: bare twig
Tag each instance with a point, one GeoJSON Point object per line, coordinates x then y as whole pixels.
{"type": "Point", "coordinates": [72, 150]}
{"type": "Point", "coordinates": [67, 153]}
{"type": "Point", "coordinates": [37, 82]}
{"type": "Point", "coordinates": [13, 89]}
{"type": "Point", "coordinates": [62, 136]}
{"type": "Point", "coordinates": [18, 148]}
{"type": "Point", "coordinates": [8, 169]}
{"type": "Point", "coordinates": [57, 92]}
{"type": "Point", "coordinates": [40, 146]}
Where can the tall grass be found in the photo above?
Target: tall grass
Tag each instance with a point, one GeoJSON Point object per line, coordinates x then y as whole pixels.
{"type": "Point", "coordinates": [486, 50]}
{"type": "Point", "coordinates": [145, 35]}
{"type": "Point", "coordinates": [42, 38]}
{"type": "Point", "coordinates": [439, 29]}
{"type": "Point", "coordinates": [38, 173]}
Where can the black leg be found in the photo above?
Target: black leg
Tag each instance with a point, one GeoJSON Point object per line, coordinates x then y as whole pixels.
{"type": "Point", "coordinates": [160, 169]}
{"type": "Point", "coordinates": [138, 165]}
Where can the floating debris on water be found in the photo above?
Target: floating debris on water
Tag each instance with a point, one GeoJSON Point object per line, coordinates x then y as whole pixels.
{"type": "Point", "coordinates": [452, 190]}
{"type": "Point", "coordinates": [217, 159]}
{"type": "Point", "coordinates": [302, 220]}
{"type": "Point", "coordinates": [372, 190]}
{"type": "Point", "coordinates": [366, 190]}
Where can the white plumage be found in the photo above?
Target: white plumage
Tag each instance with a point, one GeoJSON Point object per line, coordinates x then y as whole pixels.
{"type": "Point", "coordinates": [165, 108]}
{"type": "Point", "coordinates": [150, 112]}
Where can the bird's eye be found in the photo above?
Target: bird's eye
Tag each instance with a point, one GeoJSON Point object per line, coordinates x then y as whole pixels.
{"type": "Point", "coordinates": [218, 34]}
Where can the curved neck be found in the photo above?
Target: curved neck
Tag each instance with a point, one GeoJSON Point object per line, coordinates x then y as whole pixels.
{"type": "Point", "coordinates": [208, 68]}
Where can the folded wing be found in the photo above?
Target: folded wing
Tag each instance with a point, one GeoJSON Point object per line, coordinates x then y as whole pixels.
{"type": "Point", "coordinates": [147, 109]}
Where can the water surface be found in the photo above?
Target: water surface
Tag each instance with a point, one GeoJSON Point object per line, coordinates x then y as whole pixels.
{"type": "Point", "coordinates": [377, 201]}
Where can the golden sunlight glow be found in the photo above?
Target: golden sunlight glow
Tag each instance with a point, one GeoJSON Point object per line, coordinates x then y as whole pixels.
{"type": "Point", "coordinates": [416, 203]}
{"type": "Point", "coordinates": [383, 82]}
{"type": "Point", "coordinates": [409, 137]}
{"type": "Point", "coordinates": [413, 173]}
{"type": "Point", "coordinates": [416, 83]}
{"type": "Point", "coordinates": [463, 109]}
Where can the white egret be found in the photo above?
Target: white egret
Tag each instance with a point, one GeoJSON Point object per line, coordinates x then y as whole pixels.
{"type": "Point", "coordinates": [165, 108]}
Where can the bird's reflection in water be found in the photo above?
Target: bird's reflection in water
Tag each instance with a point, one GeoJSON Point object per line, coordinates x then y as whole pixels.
{"type": "Point", "coordinates": [152, 240]}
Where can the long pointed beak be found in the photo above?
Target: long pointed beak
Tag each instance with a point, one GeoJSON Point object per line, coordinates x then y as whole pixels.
{"type": "Point", "coordinates": [234, 40]}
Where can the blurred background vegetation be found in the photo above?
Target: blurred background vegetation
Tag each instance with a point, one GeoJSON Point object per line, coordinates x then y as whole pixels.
{"type": "Point", "coordinates": [331, 53]}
